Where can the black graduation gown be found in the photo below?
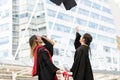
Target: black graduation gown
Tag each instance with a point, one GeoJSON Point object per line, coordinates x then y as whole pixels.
{"type": "Point", "coordinates": [81, 67]}
{"type": "Point", "coordinates": [46, 70]}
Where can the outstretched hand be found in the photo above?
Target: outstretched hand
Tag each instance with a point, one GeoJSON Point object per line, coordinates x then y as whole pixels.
{"type": "Point", "coordinates": [49, 40]}
{"type": "Point", "coordinates": [58, 72]}
{"type": "Point", "coordinates": [77, 28]}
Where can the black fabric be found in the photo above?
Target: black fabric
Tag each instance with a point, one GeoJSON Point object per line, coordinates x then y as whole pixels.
{"type": "Point", "coordinates": [81, 67]}
{"type": "Point", "coordinates": [45, 68]}
{"type": "Point", "coordinates": [77, 42]}
{"type": "Point", "coordinates": [69, 4]}
{"type": "Point", "coordinates": [57, 2]}
{"type": "Point", "coordinates": [48, 45]}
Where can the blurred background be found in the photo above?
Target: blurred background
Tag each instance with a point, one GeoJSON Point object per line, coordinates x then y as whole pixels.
{"type": "Point", "coordinates": [19, 19]}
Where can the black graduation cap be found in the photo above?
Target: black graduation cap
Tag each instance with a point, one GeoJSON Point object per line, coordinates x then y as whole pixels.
{"type": "Point", "coordinates": [57, 2]}
{"type": "Point", "coordinates": [67, 3]}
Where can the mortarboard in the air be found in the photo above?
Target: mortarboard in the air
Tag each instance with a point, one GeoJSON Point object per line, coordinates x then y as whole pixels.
{"type": "Point", "coordinates": [57, 2]}
{"type": "Point", "coordinates": [69, 4]}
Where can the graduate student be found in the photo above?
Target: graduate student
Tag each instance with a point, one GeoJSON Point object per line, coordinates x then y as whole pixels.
{"type": "Point", "coordinates": [43, 66]}
{"type": "Point", "coordinates": [81, 67]}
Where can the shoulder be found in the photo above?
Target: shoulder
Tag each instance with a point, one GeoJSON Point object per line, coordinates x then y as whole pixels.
{"type": "Point", "coordinates": [80, 48]}
{"type": "Point", "coordinates": [41, 50]}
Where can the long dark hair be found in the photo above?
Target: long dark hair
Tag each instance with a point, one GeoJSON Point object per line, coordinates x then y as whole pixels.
{"type": "Point", "coordinates": [88, 39]}
{"type": "Point", "coordinates": [32, 43]}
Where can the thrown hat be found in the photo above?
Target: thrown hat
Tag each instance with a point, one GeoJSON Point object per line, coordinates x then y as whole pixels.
{"type": "Point", "coordinates": [57, 2]}
{"type": "Point", "coordinates": [67, 3]}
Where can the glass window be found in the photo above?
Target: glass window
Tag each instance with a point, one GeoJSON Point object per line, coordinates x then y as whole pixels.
{"type": "Point", "coordinates": [5, 53]}
{"type": "Point", "coordinates": [106, 38]}
{"type": "Point", "coordinates": [40, 6]}
{"type": "Point", "coordinates": [15, 33]}
{"type": "Point", "coordinates": [94, 15]}
{"type": "Point", "coordinates": [4, 40]}
{"type": "Point", "coordinates": [108, 59]}
{"type": "Point", "coordinates": [15, 15]}
{"type": "Point", "coordinates": [86, 2]}
{"type": "Point", "coordinates": [5, 14]}
{"type": "Point", "coordinates": [4, 27]}
{"type": "Point", "coordinates": [31, 1]}
{"type": "Point", "coordinates": [15, 46]}
{"type": "Point", "coordinates": [50, 25]}
{"type": "Point", "coordinates": [93, 25]}
{"type": "Point", "coordinates": [82, 32]}
{"type": "Point", "coordinates": [53, 37]}
{"type": "Point", "coordinates": [15, 7]}
{"type": "Point", "coordinates": [106, 19]}
{"type": "Point", "coordinates": [56, 51]}
{"type": "Point", "coordinates": [15, 1]}
{"type": "Point", "coordinates": [3, 2]}
{"type": "Point", "coordinates": [58, 27]}
{"type": "Point", "coordinates": [66, 29]}
{"type": "Point", "coordinates": [23, 15]}
{"type": "Point", "coordinates": [96, 6]}
{"type": "Point", "coordinates": [71, 42]}
{"type": "Point", "coordinates": [114, 60]}
{"type": "Point", "coordinates": [83, 11]}
{"type": "Point", "coordinates": [15, 40]}
{"type": "Point", "coordinates": [65, 17]}
{"type": "Point", "coordinates": [106, 29]}
{"type": "Point", "coordinates": [62, 28]}
{"type": "Point", "coordinates": [81, 21]}
{"type": "Point", "coordinates": [51, 13]}
{"type": "Point", "coordinates": [107, 10]}
{"type": "Point", "coordinates": [15, 20]}
{"type": "Point", "coordinates": [73, 31]}
{"type": "Point", "coordinates": [93, 46]}
{"type": "Point", "coordinates": [106, 48]}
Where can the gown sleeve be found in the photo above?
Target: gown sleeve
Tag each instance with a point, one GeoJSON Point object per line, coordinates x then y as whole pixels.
{"type": "Point", "coordinates": [47, 61]}
{"type": "Point", "coordinates": [48, 45]}
{"type": "Point", "coordinates": [77, 42]}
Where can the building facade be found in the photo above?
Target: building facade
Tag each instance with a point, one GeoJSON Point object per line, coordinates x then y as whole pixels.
{"type": "Point", "coordinates": [93, 16]}
{"type": "Point", "coordinates": [5, 29]}
{"type": "Point", "coordinates": [43, 17]}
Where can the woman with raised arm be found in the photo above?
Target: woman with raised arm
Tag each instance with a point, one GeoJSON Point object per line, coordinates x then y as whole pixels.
{"type": "Point", "coordinates": [43, 65]}
{"type": "Point", "coordinates": [81, 67]}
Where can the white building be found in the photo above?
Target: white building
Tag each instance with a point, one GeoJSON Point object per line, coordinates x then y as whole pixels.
{"type": "Point", "coordinates": [30, 17]}
{"type": "Point", "coordinates": [94, 17]}
{"type": "Point", "coordinates": [5, 29]}
{"type": "Point", "coordinates": [44, 17]}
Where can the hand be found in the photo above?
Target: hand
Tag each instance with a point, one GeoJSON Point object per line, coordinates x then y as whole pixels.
{"type": "Point", "coordinates": [58, 72]}
{"type": "Point", "coordinates": [77, 28]}
{"type": "Point", "coordinates": [44, 36]}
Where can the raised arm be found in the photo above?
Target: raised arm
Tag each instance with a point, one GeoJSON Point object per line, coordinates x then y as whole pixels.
{"type": "Point", "coordinates": [48, 44]}
{"type": "Point", "coordinates": [77, 42]}
{"type": "Point", "coordinates": [47, 40]}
